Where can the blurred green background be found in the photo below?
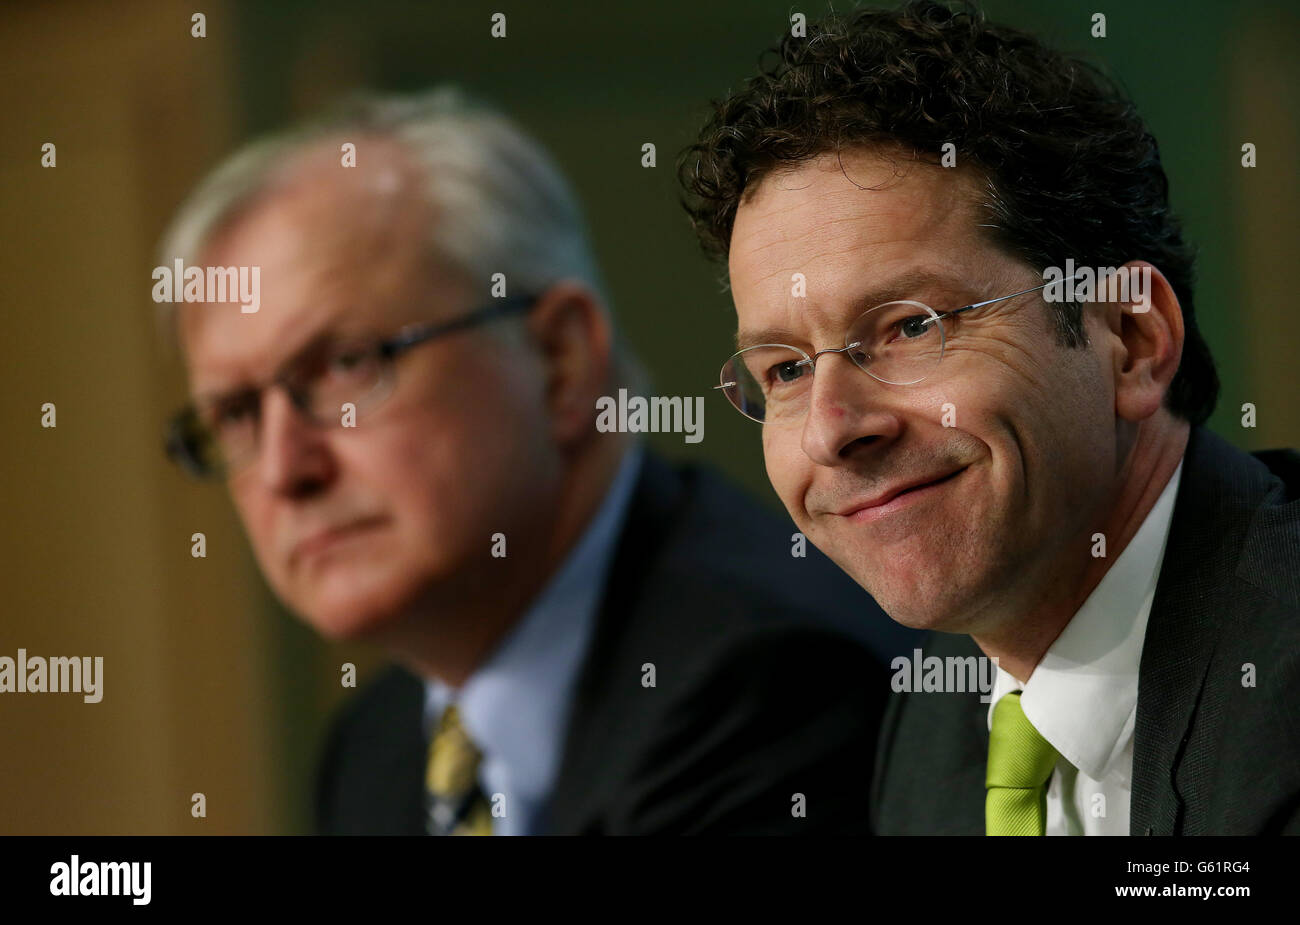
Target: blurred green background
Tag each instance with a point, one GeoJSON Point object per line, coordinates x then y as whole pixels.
{"type": "Point", "coordinates": [211, 687]}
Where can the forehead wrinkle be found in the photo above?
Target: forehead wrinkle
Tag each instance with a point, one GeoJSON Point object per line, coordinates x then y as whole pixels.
{"type": "Point", "coordinates": [343, 245]}
{"type": "Point", "coordinates": [847, 239]}
{"type": "Point", "coordinates": [835, 241]}
{"type": "Point", "coordinates": [912, 282]}
{"type": "Point", "coordinates": [841, 235]}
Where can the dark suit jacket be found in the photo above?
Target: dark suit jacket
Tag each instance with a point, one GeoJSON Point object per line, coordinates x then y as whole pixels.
{"type": "Point", "coordinates": [1210, 756]}
{"type": "Point", "coordinates": [761, 693]}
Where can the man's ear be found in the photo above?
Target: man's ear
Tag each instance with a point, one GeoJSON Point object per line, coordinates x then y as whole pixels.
{"type": "Point", "coordinates": [571, 329]}
{"type": "Point", "coordinates": [1147, 337]}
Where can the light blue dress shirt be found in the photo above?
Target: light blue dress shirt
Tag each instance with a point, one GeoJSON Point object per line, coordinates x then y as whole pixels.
{"type": "Point", "coordinates": [515, 705]}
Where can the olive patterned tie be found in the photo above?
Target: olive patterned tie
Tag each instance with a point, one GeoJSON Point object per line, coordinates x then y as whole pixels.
{"type": "Point", "coordinates": [455, 804]}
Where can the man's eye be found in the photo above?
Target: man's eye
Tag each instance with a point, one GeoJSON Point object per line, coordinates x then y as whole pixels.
{"type": "Point", "coordinates": [233, 413]}
{"type": "Point", "coordinates": [915, 326]}
{"type": "Point", "coordinates": [344, 365]}
{"type": "Point", "coordinates": [785, 373]}
{"type": "Point", "coordinates": [909, 328]}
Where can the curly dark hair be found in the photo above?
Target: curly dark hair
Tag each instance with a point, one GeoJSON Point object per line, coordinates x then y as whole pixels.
{"type": "Point", "coordinates": [1068, 166]}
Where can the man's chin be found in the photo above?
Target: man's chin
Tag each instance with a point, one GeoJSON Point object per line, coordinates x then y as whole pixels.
{"type": "Point", "coordinates": [920, 602]}
{"type": "Point", "coordinates": [351, 613]}
{"type": "Point", "coordinates": [916, 619]}
{"type": "Point", "coordinates": [350, 596]}
{"type": "Point", "coordinates": [353, 625]}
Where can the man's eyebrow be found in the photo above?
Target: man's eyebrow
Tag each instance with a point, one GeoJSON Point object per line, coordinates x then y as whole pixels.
{"type": "Point", "coordinates": [321, 341]}
{"type": "Point", "coordinates": [904, 286]}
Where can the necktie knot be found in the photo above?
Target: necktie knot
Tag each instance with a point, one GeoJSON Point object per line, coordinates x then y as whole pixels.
{"type": "Point", "coordinates": [455, 803]}
{"type": "Point", "coordinates": [1020, 765]}
{"type": "Point", "coordinates": [453, 757]}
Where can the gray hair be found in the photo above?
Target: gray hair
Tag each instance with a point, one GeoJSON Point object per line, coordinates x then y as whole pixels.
{"type": "Point", "coordinates": [501, 204]}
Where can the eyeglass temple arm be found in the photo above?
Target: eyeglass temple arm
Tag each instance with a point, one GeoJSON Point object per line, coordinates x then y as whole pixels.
{"type": "Point", "coordinates": [964, 308]}
{"type": "Point", "coordinates": [421, 333]}
{"type": "Point", "coordinates": [1001, 298]}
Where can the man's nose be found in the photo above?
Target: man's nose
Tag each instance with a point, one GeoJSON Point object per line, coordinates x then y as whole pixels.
{"type": "Point", "coordinates": [294, 456]}
{"type": "Point", "coordinates": [845, 413]}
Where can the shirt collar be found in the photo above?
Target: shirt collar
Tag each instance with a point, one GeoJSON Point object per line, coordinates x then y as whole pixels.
{"type": "Point", "coordinates": [1082, 695]}
{"type": "Point", "coordinates": [514, 705]}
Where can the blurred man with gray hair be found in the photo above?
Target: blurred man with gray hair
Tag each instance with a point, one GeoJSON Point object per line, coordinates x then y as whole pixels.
{"type": "Point", "coordinates": [588, 639]}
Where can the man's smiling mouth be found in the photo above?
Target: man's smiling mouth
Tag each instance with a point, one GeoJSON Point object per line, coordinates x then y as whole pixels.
{"type": "Point", "coordinates": [896, 497]}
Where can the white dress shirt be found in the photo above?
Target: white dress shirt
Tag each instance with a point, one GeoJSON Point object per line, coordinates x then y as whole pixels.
{"type": "Point", "coordinates": [1082, 696]}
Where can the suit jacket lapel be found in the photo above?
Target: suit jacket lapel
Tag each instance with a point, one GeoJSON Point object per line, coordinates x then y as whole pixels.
{"type": "Point", "coordinates": [1220, 490]}
{"type": "Point", "coordinates": [596, 712]}
{"type": "Point", "coordinates": [930, 763]}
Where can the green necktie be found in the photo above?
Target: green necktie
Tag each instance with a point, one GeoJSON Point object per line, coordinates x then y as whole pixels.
{"type": "Point", "coordinates": [1020, 765]}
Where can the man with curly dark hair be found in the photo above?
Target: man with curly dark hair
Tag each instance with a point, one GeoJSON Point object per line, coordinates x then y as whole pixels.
{"type": "Point", "coordinates": [981, 225]}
